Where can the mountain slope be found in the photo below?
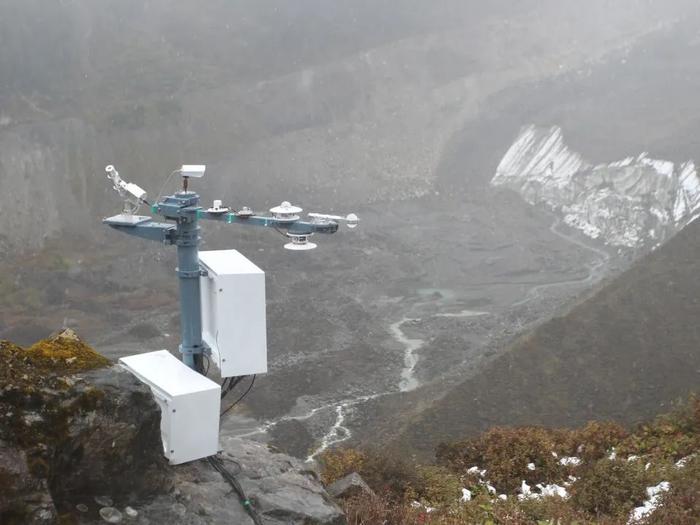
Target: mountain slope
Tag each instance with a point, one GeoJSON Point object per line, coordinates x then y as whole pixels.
{"type": "Point", "coordinates": [628, 203]}
{"type": "Point", "coordinates": [625, 353]}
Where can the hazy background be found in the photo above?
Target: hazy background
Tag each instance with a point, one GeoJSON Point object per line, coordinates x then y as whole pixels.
{"type": "Point", "coordinates": [398, 110]}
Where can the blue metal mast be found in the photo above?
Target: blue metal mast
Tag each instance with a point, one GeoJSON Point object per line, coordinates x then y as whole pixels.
{"type": "Point", "coordinates": [183, 211]}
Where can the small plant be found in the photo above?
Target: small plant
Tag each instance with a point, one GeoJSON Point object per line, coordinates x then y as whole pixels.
{"type": "Point", "coordinates": [338, 463]}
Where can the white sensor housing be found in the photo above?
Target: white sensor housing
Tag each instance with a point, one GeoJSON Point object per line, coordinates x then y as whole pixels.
{"type": "Point", "coordinates": [193, 170]}
{"type": "Point", "coordinates": [233, 312]}
{"type": "Point", "coordinates": [189, 404]}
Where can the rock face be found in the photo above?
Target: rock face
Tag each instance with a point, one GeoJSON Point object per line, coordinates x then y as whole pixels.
{"type": "Point", "coordinates": [350, 486]}
{"type": "Point", "coordinates": [72, 427]}
{"type": "Point", "coordinates": [80, 441]}
{"type": "Point", "coordinates": [633, 203]}
{"type": "Point", "coordinates": [281, 489]}
{"type": "Point", "coordinates": [24, 497]}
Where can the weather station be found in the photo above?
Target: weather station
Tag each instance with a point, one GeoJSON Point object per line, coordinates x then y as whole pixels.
{"type": "Point", "coordinates": [222, 306]}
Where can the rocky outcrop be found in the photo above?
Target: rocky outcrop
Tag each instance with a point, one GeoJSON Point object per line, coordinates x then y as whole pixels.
{"type": "Point", "coordinates": [636, 202]}
{"type": "Point", "coordinates": [281, 489]}
{"type": "Point", "coordinates": [72, 426]}
{"type": "Point", "coordinates": [80, 440]}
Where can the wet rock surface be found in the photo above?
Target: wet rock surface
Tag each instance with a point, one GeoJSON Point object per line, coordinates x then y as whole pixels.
{"type": "Point", "coordinates": [280, 488]}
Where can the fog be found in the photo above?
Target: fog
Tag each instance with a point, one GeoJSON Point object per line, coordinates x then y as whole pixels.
{"type": "Point", "coordinates": [399, 111]}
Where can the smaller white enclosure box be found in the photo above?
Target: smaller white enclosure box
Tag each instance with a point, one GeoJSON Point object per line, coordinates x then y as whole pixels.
{"type": "Point", "coordinates": [233, 312]}
{"type": "Point", "coordinates": [189, 404]}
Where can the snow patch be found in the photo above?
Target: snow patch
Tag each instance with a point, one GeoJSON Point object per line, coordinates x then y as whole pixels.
{"type": "Point", "coordinates": [570, 461]}
{"type": "Point", "coordinates": [653, 499]}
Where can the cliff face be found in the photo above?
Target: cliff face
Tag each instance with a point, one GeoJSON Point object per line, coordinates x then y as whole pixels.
{"type": "Point", "coordinates": [633, 203]}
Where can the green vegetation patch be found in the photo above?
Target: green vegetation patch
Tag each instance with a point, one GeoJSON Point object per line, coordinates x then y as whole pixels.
{"type": "Point", "coordinates": [65, 352]}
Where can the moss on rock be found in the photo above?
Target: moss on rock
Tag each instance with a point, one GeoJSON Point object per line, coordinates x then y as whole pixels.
{"type": "Point", "coordinates": [65, 352]}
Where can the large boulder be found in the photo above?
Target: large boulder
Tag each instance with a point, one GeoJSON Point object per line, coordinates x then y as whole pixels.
{"type": "Point", "coordinates": [75, 424]}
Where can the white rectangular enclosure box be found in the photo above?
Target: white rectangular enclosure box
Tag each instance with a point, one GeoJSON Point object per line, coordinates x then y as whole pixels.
{"type": "Point", "coordinates": [233, 312]}
{"type": "Point", "coordinates": [189, 404]}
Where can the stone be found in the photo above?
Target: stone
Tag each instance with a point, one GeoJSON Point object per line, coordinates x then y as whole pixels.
{"type": "Point", "coordinates": [131, 512]}
{"type": "Point", "coordinates": [110, 515]}
{"type": "Point", "coordinates": [350, 486]}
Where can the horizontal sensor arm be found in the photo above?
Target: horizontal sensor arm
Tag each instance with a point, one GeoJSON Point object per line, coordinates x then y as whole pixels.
{"type": "Point", "coordinates": [298, 227]}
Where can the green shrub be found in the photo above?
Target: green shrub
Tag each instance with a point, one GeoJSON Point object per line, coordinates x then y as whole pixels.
{"type": "Point", "coordinates": [385, 473]}
{"type": "Point", "coordinates": [438, 486]}
{"type": "Point", "coordinates": [596, 438]}
{"type": "Point", "coordinates": [672, 435]}
{"type": "Point", "coordinates": [681, 504]}
{"type": "Point", "coordinates": [506, 452]}
{"type": "Point", "coordinates": [338, 463]}
{"type": "Point", "coordinates": [610, 487]}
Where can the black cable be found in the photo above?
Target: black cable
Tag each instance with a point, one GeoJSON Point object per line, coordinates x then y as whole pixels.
{"type": "Point", "coordinates": [232, 383]}
{"type": "Point", "coordinates": [218, 465]}
{"type": "Point", "coordinates": [250, 387]}
{"type": "Point", "coordinates": [281, 232]}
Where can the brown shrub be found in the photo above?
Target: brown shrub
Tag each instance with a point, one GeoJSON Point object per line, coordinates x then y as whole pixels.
{"type": "Point", "coordinates": [610, 487]}
{"type": "Point", "coordinates": [596, 438]}
{"type": "Point", "coordinates": [438, 486]}
{"type": "Point", "coordinates": [551, 510]}
{"type": "Point", "coordinates": [338, 463]}
{"type": "Point", "coordinates": [681, 504]}
{"type": "Point", "coordinates": [391, 475]}
{"type": "Point", "coordinates": [387, 474]}
{"type": "Point", "coordinates": [672, 435]}
{"type": "Point", "coordinates": [506, 452]}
